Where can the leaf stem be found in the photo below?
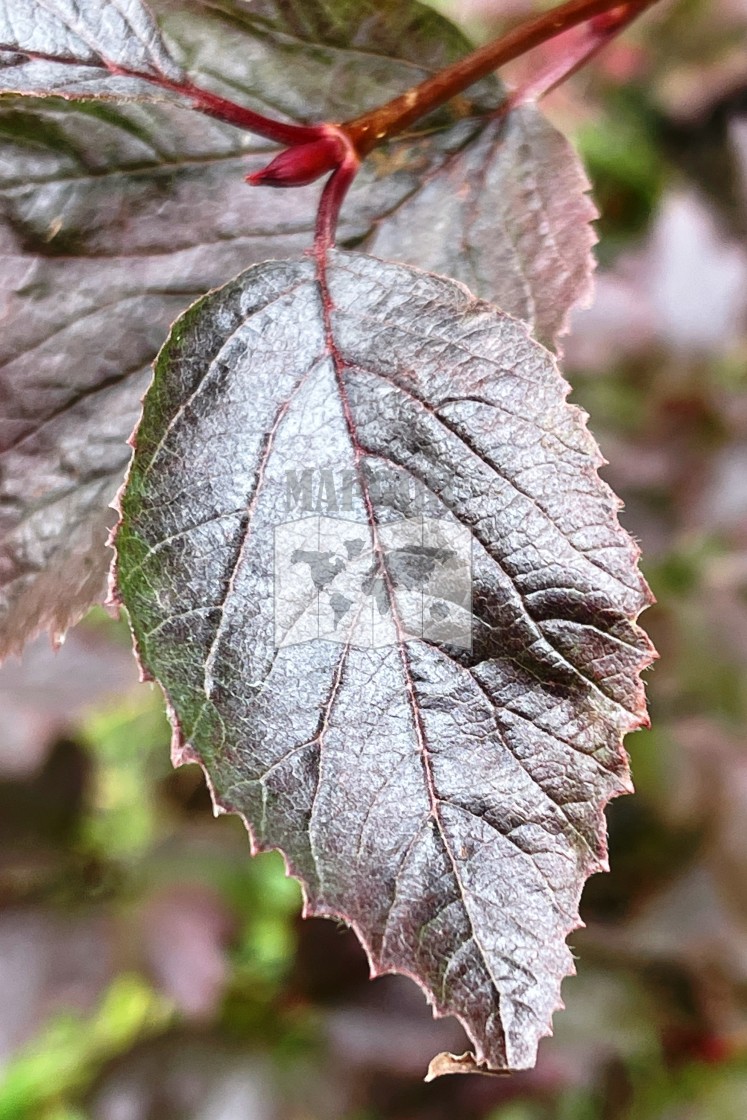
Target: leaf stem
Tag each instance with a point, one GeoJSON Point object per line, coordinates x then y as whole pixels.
{"type": "Point", "coordinates": [224, 110]}
{"type": "Point", "coordinates": [371, 129]}
{"type": "Point", "coordinates": [333, 196]}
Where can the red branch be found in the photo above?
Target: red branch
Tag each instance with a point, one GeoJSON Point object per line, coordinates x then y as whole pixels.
{"type": "Point", "coordinates": [375, 127]}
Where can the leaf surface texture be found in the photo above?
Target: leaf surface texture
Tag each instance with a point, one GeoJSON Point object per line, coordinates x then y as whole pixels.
{"type": "Point", "coordinates": [82, 48]}
{"type": "Point", "coordinates": [444, 797]}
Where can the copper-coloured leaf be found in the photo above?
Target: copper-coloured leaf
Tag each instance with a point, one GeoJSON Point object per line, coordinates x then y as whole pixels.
{"type": "Point", "coordinates": [366, 553]}
{"type": "Point", "coordinates": [510, 217]}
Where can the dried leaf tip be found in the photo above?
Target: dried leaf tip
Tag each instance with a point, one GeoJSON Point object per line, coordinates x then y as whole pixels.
{"type": "Point", "coordinates": [446, 1063]}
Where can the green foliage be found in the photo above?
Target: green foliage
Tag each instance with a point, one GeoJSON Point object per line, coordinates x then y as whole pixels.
{"type": "Point", "coordinates": [63, 1060]}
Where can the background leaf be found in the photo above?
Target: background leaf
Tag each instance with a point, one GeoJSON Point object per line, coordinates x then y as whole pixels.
{"type": "Point", "coordinates": [445, 801]}
{"type": "Point", "coordinates": [508, 216]}
{"type": "Point", "coordinates": [73, 49]}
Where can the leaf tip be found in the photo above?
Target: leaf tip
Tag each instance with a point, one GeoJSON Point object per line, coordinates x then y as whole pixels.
{"type": "Point", "coordinates": [57, 638]}
{"type": "Point", "coordinates": [446, 1063]}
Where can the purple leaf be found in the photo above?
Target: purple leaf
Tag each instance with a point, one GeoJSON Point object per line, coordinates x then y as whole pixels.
{"type": "Point", "coordinates": [509, 216]}
{"type": "Point", "coordinates": [367, 555]}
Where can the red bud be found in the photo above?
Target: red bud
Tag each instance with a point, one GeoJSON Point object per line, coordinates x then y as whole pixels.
{"type": "Point", "coordinates": [301, 164]}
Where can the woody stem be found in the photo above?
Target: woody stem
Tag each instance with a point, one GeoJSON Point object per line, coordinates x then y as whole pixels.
{"type": "Point", "coordinates": [371, 129]}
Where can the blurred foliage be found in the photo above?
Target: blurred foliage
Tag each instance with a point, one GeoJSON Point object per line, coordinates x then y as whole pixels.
{"type": "Point", "coordinates": [122, 820]}
{"type": "Point", "coordinates": [70, 1050]}
{"type": "Point", "coordinates": [152, 971]}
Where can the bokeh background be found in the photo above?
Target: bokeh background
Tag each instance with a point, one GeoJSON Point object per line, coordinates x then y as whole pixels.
{"type": "Point", "coordinates": [150, 970]}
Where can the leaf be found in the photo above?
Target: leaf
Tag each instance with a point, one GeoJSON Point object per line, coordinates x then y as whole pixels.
{"type": "Point", "coordinates": [101, 253]}
{"type": "Point", "coordinates": [508, 216]}
{"type": "Point", "coordinates": [444, 1064]}
{"type": "Point", "coordinates": [103, 50]}
{"type": "Point", "coordinates": [434, 767]}
{"type": "Point", "coordinates": [114, 218]}
{"type": "Point", "coordinates": [91, 49]}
